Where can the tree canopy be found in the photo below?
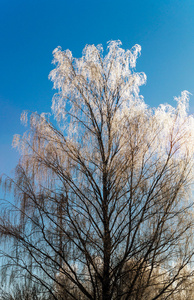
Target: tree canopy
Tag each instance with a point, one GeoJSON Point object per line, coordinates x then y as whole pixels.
{"type": "Point", "coordinates": [103, 192]}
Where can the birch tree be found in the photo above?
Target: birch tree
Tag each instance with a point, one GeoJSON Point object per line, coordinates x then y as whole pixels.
{"type": "Point", "coordinates": [103, 187]}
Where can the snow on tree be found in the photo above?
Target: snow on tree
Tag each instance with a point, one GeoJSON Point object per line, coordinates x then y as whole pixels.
{"type": "Point", "coordinates": [109, 180]}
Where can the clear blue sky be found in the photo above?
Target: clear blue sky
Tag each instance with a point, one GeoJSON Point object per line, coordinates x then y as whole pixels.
{"type": "Point", "coordinates": [30, 30]}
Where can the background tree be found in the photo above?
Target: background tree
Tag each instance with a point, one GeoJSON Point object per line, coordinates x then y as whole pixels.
{"type": "Point", "coordinates": [25, 292]}
{"type": "Point", "coordinates": [103, 198]}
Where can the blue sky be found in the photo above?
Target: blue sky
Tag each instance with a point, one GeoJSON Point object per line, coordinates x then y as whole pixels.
{"type": "Point", "coordinates": [30, 30]}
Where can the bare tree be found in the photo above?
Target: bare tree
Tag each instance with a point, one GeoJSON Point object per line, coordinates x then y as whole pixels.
{"type": "Point", "coordinates": [103, 194]}
{"type": "Point", "coordinates": [24, 292]}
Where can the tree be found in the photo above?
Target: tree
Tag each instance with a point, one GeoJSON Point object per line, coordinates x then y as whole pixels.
{"type": "Point", "coordinates": [104, 206]}
{"type": "Point", "coordinates": [24, 292]}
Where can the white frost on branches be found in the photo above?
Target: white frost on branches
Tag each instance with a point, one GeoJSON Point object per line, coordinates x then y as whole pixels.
{"type": "Point", "coordinates": [100, 93]}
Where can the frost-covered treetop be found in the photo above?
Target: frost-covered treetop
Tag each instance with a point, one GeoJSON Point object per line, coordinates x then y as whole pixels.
{"type": "Point", "coordinates": [98, 101]}
{"type": "Point", "coordinates": [99, 80]}
{"type": "Point", "coordinates": [108, 86]}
